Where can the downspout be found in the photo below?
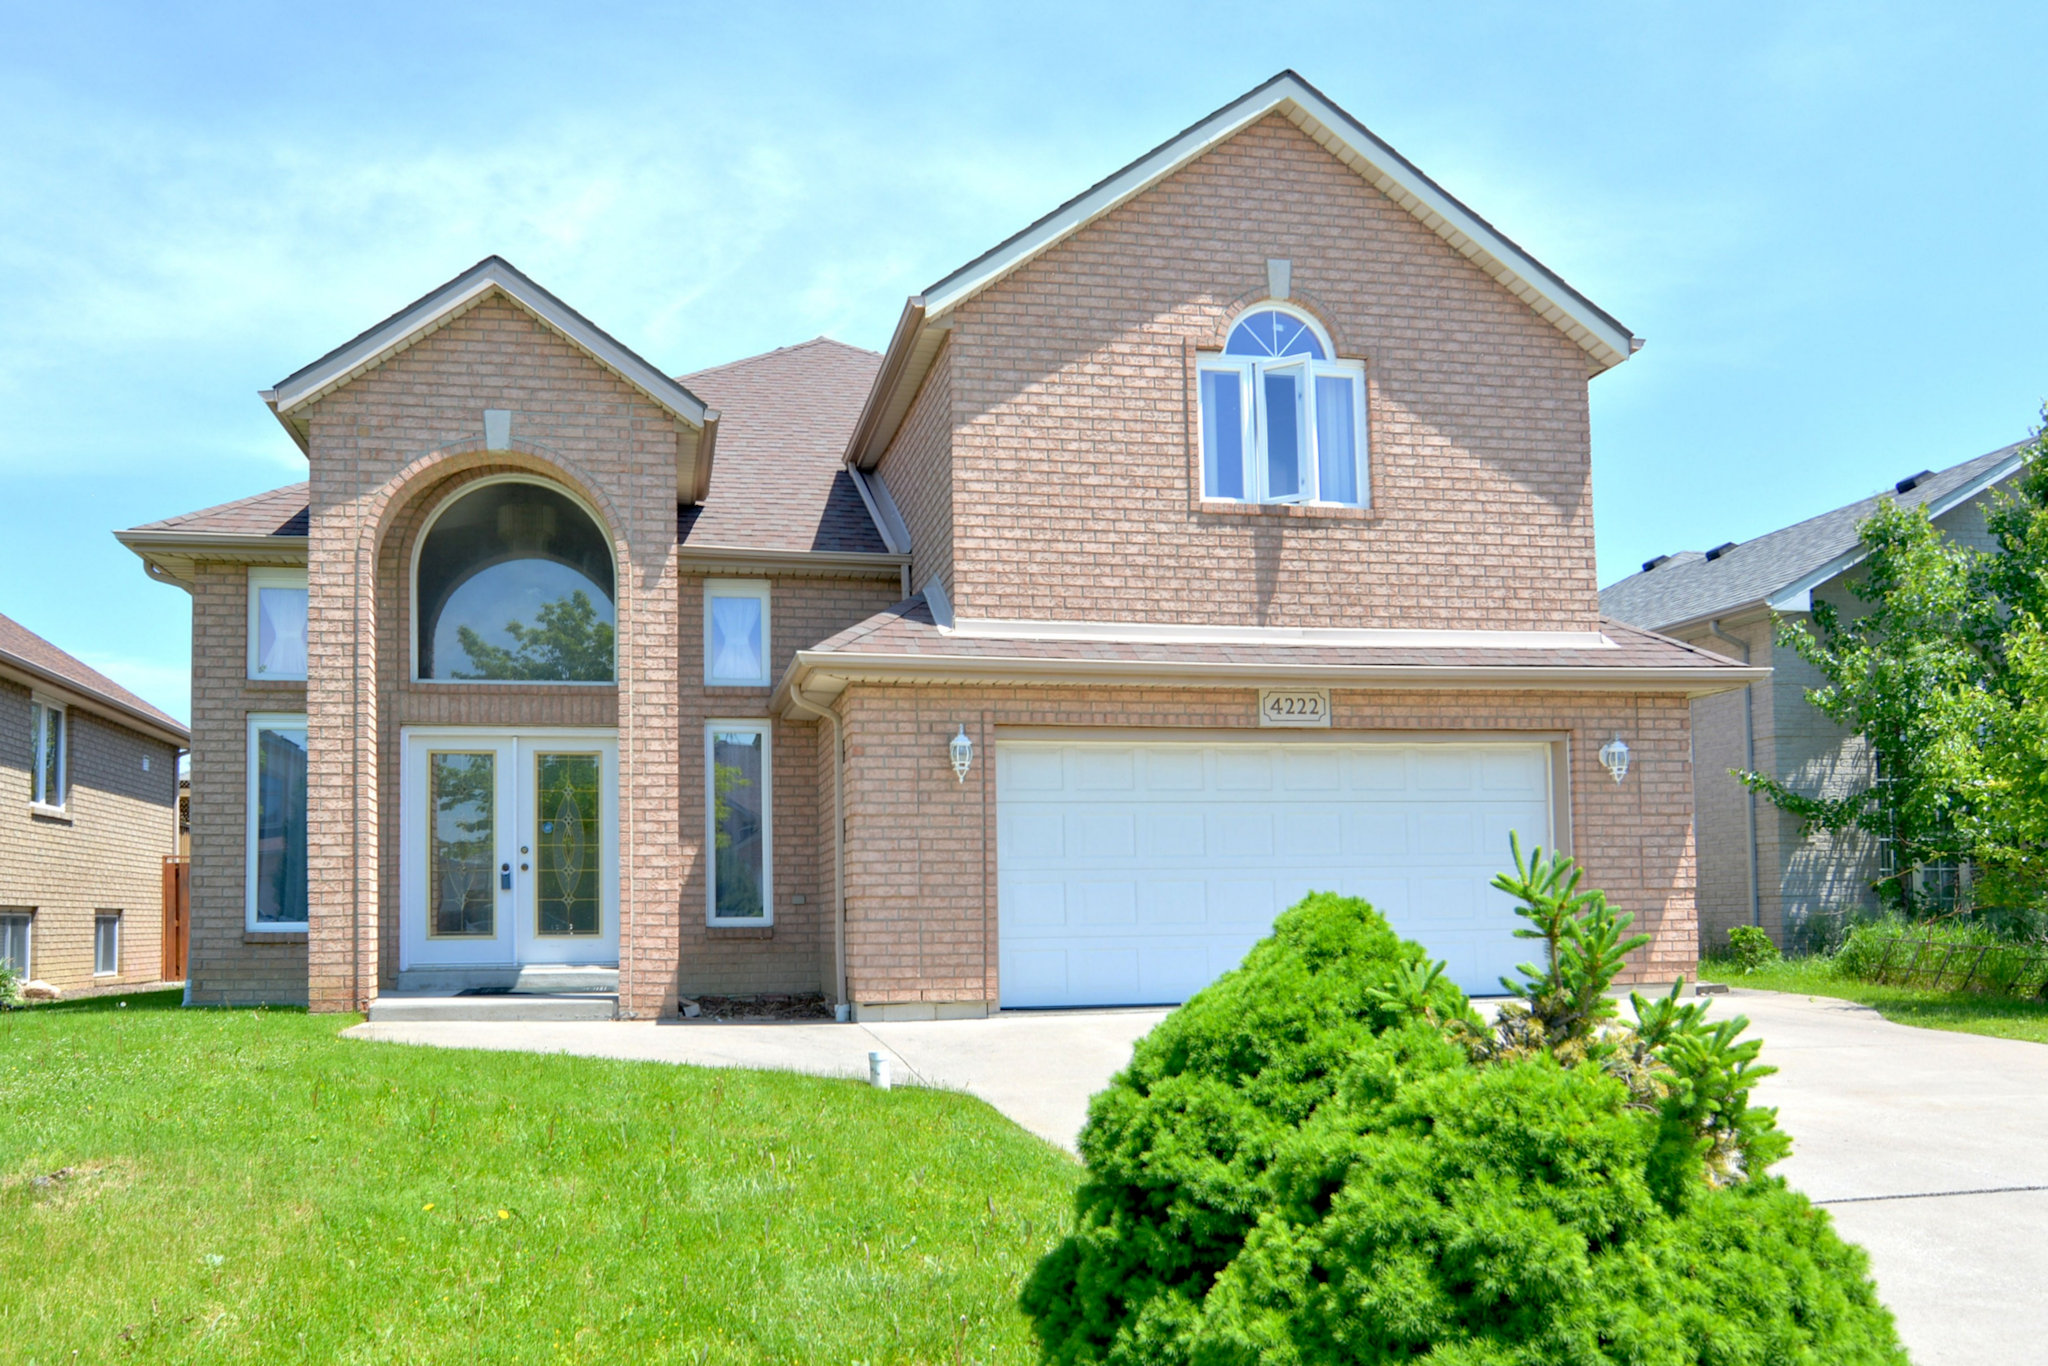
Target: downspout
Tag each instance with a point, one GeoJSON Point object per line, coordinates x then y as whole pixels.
{"type": "Point", "coordinates": [805, 706]}
{"type": "Point", "coordinates": [1756, 908]}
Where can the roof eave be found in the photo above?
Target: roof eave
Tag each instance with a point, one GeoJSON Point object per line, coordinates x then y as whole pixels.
{"type": "Point", "coordinates": [160, 728]}
{"type": "Point", "coordinates": [845, 667]}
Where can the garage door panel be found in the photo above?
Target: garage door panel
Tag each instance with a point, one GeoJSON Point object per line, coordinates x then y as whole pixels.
{"type": "Point", "coordinates": [1179, 903]}
{"type": "Point", "coordinates": [1312, 832]}
{"type": "Point", "coordinates": [1104, 903]}
{"type": "Point", "coordinates": [1137, 873]}
{"type": "Point", "coordinates": [1175, 832]}
{"type": "Point", "coordinates": [1241, 831]}
{"type": "Point", "coordinates": [1103, 832]}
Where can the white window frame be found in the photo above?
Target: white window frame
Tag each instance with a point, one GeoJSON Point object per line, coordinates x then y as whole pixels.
{"type": "Point", "coordinates": [259, 722]}
{"type": "Point", "coordinates": [28, 939]}
{"type": "Point", "coordinates": [739, 588]}
{"type": "Point", "coordinates": [1250, 372]}
{"type": "Point", "coordinates": [765, 728]}
{"type": "Point", "coordinates": [38, 797]}
{"type": "Point", "coordinates": [99, 919]}
{"type": "Point", "coordinates": [260, 579]}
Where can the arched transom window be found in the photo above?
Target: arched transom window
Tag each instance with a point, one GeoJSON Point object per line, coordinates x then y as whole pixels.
{"type": "Point", "coordinates": [513, 583]}
{"type": "Point", "coordinates": [1281, 421]}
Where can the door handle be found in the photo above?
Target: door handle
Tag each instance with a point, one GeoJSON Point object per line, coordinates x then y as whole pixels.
{"type": "Point", "coordinates": [504, 877]}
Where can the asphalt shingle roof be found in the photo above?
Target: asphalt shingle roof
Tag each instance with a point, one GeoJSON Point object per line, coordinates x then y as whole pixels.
{"type": "Point", "coordinates": [1689, 586]}
{"type": "Point", "coordinates": [908, 629]}
{"type": "Point", "coordinates": [279, 512]}
{"type": "Point", "coordinates": [777, 480]}
{"type": "Point", "coordinates": [28, 651]}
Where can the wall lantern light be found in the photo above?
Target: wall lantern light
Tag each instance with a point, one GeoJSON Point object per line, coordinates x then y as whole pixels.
{"type": "Point", "coordinates": [962, 750]}
{"type": "Point", "coordinates": [1614, 756]}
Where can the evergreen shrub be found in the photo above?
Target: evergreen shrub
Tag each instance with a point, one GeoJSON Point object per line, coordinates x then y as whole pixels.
{"type": "Point", "coordinates": [1327, 1156]}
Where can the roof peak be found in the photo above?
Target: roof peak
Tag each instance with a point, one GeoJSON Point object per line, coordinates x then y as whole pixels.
{"type": "Point", "coordinates": [820, 340]}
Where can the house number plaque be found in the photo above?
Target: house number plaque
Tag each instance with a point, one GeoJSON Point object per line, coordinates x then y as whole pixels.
{"type": "Point", "coordinates": [1294, 707]}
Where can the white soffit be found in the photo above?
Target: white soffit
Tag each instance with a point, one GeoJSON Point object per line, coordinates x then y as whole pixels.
{"type": "Point", "coordinates": [1600, 335]}
{"type": "Point", "coordinates": [451, 301]}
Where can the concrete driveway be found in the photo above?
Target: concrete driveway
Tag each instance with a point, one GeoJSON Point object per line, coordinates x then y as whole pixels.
{"type": "Point", "coordinates": [1928, 1148]}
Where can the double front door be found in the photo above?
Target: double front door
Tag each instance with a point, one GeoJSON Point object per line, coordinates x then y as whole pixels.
{"type": "Point", "coordinates": [510, 851]}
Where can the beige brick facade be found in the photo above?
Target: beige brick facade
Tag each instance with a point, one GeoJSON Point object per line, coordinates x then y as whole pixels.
{"type": "Point", "coordinates": [1075, 482]}
{"type": "Point", "coordinates": [104, 853]}
{"type": "Point", "coordinates": [1046, 468]}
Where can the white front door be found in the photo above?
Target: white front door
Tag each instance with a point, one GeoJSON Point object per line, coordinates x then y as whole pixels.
{"type": "Point", "coordinates": [510, 848]}
{"type": "Point", "coordinates": [1137, 873]}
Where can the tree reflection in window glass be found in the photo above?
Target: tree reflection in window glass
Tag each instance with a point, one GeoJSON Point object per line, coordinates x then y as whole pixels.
{"type": "Point", "coordinates": [515, 583]}
{"type": "Point", "coordinates": [464, 845]}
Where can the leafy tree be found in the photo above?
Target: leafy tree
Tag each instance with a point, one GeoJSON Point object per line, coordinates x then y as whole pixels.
{"type": "Point", "coordinates": [566, 643]}
{"type": "Point", "coordinates": [1945, 676]}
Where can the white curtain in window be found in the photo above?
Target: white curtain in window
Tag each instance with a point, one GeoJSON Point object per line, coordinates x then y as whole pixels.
{"type": "Point", "coordinates": [281, 632]}
{"type": "Point", "coordinates": [736, 647]}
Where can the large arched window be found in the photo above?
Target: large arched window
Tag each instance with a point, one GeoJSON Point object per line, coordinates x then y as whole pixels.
{"type": "Point", "coordinates": [513, 582]}
{"type": "Point", "coordinates": [1281, 421]}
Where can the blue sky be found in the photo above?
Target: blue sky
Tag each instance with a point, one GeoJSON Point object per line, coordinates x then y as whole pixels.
{"type": "Point", "coordinates": [1827, 220]}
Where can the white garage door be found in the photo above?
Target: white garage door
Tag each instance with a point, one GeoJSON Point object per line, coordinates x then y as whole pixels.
{"type": "Point", "coordinates": [1134, 874]}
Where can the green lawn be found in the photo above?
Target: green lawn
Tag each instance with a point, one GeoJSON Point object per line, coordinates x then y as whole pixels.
{"type": "Point", "coordinates": [245, 1186]}
{"type": "Point", "coordinates": [2003, 1017]}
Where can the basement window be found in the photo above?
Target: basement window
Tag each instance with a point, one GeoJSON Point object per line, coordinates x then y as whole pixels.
{"type": "Point", "coordinates": [1281, 421]}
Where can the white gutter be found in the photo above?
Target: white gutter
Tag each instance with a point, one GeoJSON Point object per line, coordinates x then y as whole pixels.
{"type": "Point", "coordinates": [804, 706]}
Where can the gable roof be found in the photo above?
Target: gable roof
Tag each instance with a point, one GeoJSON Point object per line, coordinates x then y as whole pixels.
{"type": "Point", "coordinates": [24, 652]}
{"type": "Point", "coordinates": [918, 332]}
{"type": "Point", "coordinates": [1780, 570]}
{"type": "Point", "coordinates": [784, 417]}
{"type": "Point", "coordinates": [435, 310]}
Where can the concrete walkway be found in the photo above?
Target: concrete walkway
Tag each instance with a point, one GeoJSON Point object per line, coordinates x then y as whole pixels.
{"type": "Point", "coordinates": [1929, 1148]}
{"type": "Point", "coordinates": [1039, 1068]}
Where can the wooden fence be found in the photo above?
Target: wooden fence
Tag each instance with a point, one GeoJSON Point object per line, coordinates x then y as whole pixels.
{"type": "Point", "coordinates": [177, 915]}
{"type": "Point", "coordinates": [2005, 969]}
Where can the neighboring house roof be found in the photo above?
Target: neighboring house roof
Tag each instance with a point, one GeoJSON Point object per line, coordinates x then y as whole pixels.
{"type": "Point", "coordinates": [783, 423]}
{"type": "Point", "coordinates": [1780, 570]}
{"type": "Point", "coordinates": [495, 275]}
{"type": "Point", "coordinates": [915, 344]}
{"type": "Point", "coordinates": [905, 642]}
{"type": "Point", "coordinates": [24, 652]}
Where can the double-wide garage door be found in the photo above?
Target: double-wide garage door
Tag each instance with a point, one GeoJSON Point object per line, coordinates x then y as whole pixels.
{"type": "Point", "coordinates": [1137, 873]}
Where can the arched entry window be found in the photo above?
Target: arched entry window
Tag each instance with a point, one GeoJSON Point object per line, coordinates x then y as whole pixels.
{"type": "Point", "coordinates": [513, 582]}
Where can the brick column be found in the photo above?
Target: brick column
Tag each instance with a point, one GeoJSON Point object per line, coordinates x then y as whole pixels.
{"type": "Point", "coordinates": [650, 745]}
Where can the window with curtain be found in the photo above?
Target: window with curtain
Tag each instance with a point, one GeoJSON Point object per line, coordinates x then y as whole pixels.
{"type": "Point", "coordinates": [736, 633]}
{"type": "Point", "coordinates": [277, 623]}
{"type": "Point", "coordinates": [1281, 421]}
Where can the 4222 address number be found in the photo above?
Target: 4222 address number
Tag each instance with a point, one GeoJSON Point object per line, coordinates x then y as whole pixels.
{"type": "Point", "coordinates": [1294, 707]}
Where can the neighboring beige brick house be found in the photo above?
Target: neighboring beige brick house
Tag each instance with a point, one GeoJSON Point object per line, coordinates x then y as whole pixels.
{"type": "Point", "coordinates": [90, 773]}
{"type": "Point", "coordinates": [1755, 866]}
{"type": "Point", "coordinates": [1225, 534]}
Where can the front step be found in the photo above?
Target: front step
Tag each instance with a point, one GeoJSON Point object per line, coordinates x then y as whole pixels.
{"type": "Point", "coordinates": [530, 980]}
{"type": "Point", "coordinates": [508, 1007]}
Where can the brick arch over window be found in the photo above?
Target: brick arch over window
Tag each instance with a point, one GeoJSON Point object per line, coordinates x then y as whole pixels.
{"type": "Point", "coordinates": [397, 513]}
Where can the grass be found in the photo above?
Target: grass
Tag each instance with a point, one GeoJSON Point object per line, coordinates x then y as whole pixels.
{"type": "Point", "coordinates": [1966, 1012]}
{"type": "Point", "coordinates": [246, 1186]}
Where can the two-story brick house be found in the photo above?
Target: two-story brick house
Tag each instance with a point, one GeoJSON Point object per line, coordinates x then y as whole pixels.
{"type": "Point", "coordinates": [89, 774]}
{"type": "Point", "coordinates": [1225, 534]}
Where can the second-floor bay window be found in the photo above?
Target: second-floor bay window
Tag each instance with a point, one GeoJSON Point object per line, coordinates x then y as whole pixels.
{"type": "Point", "coordinates": [1281, 421]}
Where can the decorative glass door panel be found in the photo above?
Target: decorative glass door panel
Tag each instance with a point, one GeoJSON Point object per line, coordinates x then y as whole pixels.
{"type": "Point", "coordinates": [566, 845]}
{"type": "Point", "coordinates": [509, 854]}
